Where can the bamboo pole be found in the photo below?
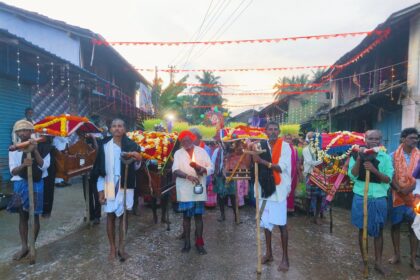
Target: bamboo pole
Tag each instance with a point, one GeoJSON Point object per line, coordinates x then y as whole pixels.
{"type": "Point", "coordinates": [257, 217]}
{"type": "Point", "coordinates": [32, 253]}
{"type": "Point", "coordinates": [125, 210]}
{"type": "Point", "coordinates": [87, 201]}
{"type": "Point", "coordinates": [365, 224]}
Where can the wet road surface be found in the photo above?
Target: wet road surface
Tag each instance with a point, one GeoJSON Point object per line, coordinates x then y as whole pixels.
{"type": "Point", "coordinates": [156, 253]}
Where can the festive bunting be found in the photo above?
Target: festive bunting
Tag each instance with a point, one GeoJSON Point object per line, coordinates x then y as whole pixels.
{"type": "Point", "coordinates": [255, 93]}
{"type": "Point", "coordinates": [226, 42]}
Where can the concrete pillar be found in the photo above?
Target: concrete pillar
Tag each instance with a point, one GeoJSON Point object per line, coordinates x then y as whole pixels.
{"type": "Point", "coordinates": [411, 107]}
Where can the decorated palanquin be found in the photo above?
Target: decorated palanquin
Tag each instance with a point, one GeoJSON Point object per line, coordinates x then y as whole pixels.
{"type": "Point", "coordinates": [155, 173]}
{"type": "Point", "coordinates": [234, 140]}
{"type": "Point", "coordinates": [79, 158]}
{"type": "Point", "coordinates": [158, 146]}
{"type": "Point", "coordinates": [242, 132]}
{"type": "Point", "coordinates": [335, 150]}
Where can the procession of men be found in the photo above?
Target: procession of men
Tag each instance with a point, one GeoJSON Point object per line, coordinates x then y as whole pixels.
{"type": "Point", "coordinates": [393, 188]}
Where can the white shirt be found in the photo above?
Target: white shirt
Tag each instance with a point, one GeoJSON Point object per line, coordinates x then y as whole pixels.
{"type": "Point", "coordinates": [60, 143]}
{"type": "Point", "coordinates": [214, 158]}
{"type": "Point", "coordinates": [308, 161]}
{"type": "Point", "coordinates": [185, 188]}
{"type": "Point", "coordinates": [417, 189]}
{"type": "Point", "coordinates": [15, 160]}
{"type": "Point", "coordinates": [100, 185]}
{"type": "Point", "coordinates": [285, 163]}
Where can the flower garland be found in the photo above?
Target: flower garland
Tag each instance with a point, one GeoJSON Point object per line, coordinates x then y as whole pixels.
{"type": "Point", "coordinates": [158, 145]}
{"type": "Point", "coordinates": [244, 132]}
{"type": "Point", "coordinates": [62, 119]}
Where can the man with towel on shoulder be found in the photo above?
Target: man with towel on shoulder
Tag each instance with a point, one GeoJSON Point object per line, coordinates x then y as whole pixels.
{"type": "Point", "coordinates": [274, 178]}
{"type": "Point", "coordinates": [110, 169]}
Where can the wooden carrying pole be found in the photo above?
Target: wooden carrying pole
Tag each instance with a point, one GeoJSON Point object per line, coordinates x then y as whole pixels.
{"type": "Point", "coordinates": [87, 204]}
{"type": "Point", "coordinates": [32, 253]}
{"type": "Point", "coordinates": [365, 225]}
{"type": "Point", "coordinates": [257, 217]}
{"type": "Point", "coordinates": [125, 209]}
{"type": "Point", "coordinates": [237, 220]}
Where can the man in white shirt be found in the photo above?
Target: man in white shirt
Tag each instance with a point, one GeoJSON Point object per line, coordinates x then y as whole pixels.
{"type": "Point", "coordinates": [110, 171]}
{"type": "Point", "coordinates": [191, 166]}
{"type": "Point", "coordinates": [18, 164]}
{"type": "Point", "coordinates": [313, 193]}
{"type": "Point", "coordinates": [274, 178]}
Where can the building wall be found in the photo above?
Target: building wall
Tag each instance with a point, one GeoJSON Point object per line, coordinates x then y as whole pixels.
{"type": "Point", "coordinates": [13, 101]}
{"type": "Point", "coordinates": [411, 107]}
{"type": "Point", "coordinates": [51, 39]}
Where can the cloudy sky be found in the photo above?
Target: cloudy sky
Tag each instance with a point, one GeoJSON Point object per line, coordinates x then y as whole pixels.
{"type": "Point", "coordinates": [169, 20]}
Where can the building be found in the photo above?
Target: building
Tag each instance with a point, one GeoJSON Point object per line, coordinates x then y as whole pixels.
{"type": "Point", "coordinates": [379, 85]}
{"type": "Point", "coordinates": [56, 68]}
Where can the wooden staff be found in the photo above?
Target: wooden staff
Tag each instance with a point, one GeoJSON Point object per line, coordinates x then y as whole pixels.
{"type": "Point", "coordinates": [32, 253]}
{"type": "Point", "coordinates": [257, 217]}
{"type": "Point", "coordinates": [237, 220]}
{"type": "Point", "coordinates": [125, 209]}
{"type": "Point", "coordinates": [257, 210]}
{"type": "Point", "coordinates": [365, 225]}
{"type": "Point", "coordinates": [87, 204]}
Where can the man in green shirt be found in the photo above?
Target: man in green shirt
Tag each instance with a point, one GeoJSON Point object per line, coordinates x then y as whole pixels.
{"type": "Point", "coordinates": [381, 169]}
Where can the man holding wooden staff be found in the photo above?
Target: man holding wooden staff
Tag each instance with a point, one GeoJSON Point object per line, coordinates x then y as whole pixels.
{"type": "Point", "coordinates": [110, 170]}
{"type": "Point", "coordinates": [18, 164]}
{"type": "Point", "coordinates": [379, 165]}
{"type": "Point", "coordinates": [274, 179]}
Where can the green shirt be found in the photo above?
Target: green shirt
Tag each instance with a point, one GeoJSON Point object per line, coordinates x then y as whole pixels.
{"type": "Point", "coordinates": [376, 190]}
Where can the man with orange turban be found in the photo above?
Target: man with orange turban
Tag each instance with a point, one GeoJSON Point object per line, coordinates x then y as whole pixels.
{"type": "Point", "coordinates": [191, 166]}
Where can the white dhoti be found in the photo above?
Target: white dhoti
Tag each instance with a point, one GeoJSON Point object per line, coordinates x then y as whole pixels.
{"type": "Point", "coordinates": [117, 205]}
{"type": "Point", "coordinates": [275, 214]}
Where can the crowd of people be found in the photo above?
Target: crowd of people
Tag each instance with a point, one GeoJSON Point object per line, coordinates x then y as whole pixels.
{"type": "Point", "coordinates": [283, 163]}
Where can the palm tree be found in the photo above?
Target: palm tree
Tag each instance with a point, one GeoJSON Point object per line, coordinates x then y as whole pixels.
{"type": "Point", "coordinates": [169, 100]}
{"type": "Point", "coordinates": [207, 93]}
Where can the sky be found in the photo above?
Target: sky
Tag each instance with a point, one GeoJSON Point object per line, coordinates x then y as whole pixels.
{"type": "Point", "coordinates": [170, 20]}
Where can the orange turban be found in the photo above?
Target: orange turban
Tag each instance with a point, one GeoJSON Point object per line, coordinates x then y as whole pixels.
{"type": "Point", "coordinates": [187, 133]}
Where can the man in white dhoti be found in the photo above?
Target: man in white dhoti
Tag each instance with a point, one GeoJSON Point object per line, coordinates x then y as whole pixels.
{"type": "Point", "coordinates": [110, 170]}
{"type": "Point", "coordinates": [274, 178]}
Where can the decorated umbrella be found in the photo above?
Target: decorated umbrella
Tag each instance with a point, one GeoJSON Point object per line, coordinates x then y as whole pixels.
{"type": "Point", "coordinates": [242, 132]}
{"type": "Point", "coordinates": [64, 125]}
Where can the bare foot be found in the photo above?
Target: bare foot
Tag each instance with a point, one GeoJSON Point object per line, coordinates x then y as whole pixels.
{"type": "Point", "coordinates": [317, 221]}
{"type": "Point", "coordinates": [267, 259]}
{"type": "Point", "coordinates": [112, 256]}
{"type": "Point", "coordinates": [284, 266]}
{"type": "Point", "coordinates": [381, 270]}
{"type": "Point", "coordinates": [123, 256]}
{"type": "Point", "coordinates": [21, 254]}
{"type": "Point", "coordinates": [414, 265]}
{"type": "Point", "coordinates": [395, 259]}
{"type": "Point", "coordinates": [181, 236]}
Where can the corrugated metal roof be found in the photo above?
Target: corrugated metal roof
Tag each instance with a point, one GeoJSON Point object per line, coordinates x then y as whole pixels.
{"type": "Point", "coordinates": [81, 32]}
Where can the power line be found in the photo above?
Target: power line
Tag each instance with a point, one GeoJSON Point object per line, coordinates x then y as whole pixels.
{"type": "Point", "coordinates": [211, 23]}
{"type": "Point", "coordinates": [197, 32]}
{"type": "Point", "coordinates": [204, 49]}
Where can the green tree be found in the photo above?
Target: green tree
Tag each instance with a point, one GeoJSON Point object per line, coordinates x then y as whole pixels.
{"type": "Point", "coordinates": [169, 101]}
{"type": "Point", "coordinates": [207, 93]}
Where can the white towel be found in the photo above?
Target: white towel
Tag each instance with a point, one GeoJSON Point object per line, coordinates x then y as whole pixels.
{"type": "Point", "coordinates": [109, 169]}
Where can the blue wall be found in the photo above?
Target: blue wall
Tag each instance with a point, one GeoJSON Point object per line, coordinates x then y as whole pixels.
{"type": "Point", "coordinates": [390, 125]}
